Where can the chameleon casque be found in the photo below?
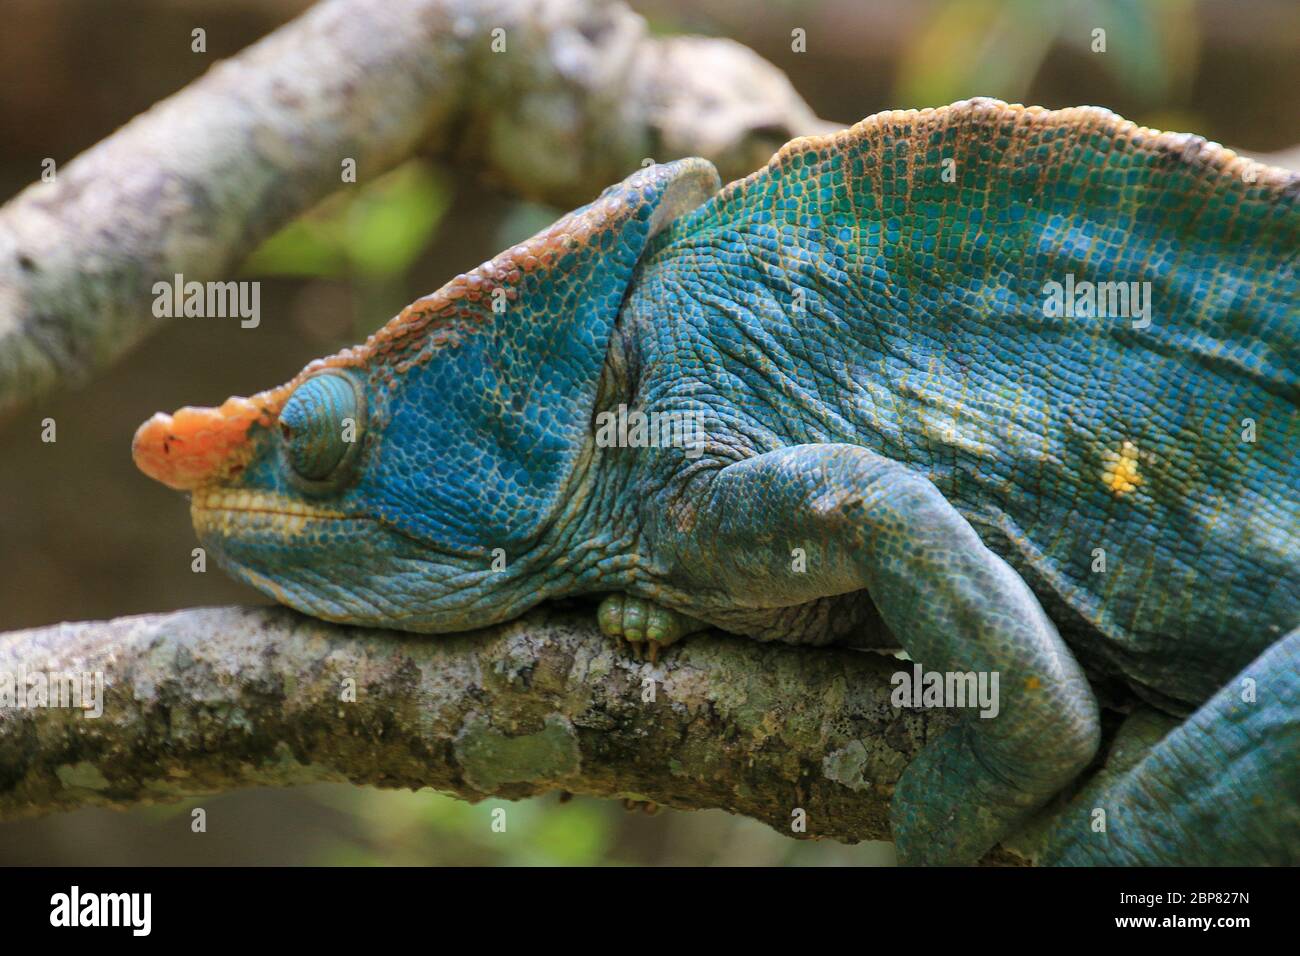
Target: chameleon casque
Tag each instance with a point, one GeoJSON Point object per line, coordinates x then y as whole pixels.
{"type": "Point", "coordinates": [860, 329]}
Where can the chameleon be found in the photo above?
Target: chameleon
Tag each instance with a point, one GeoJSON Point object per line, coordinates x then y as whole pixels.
{"type": "Point", "coordinates": [1013, 389]}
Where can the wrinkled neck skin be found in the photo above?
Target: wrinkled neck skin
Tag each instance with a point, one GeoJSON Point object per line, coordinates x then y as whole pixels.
{"type": "Point", "coordinates": [606, 535]}
{"type": "Point", "coordinates": [595, 543]}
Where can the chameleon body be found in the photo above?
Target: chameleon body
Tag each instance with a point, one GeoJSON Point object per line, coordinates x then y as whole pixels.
{"type": "Point", "coordinates": [894, 433]}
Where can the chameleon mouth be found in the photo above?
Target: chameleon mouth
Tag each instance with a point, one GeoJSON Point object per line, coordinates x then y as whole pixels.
{"type": "Point", "coordinates": [228, 512]}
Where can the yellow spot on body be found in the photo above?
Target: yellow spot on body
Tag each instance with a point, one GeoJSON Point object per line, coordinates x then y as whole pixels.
{"type": "Point", "coordinates": [1119, 470]}
{"type": "Point", "coordinates": [1033, 683]}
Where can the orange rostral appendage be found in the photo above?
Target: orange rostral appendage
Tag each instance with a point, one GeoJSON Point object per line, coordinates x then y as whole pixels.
{"type": "Point", "coordinates": [196, 446]}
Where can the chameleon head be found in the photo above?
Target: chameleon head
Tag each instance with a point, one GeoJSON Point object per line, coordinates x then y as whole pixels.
{"type": "Point", "coordinates": [412, 481]}
{"type": "Point", "coordinates": [286, 494]}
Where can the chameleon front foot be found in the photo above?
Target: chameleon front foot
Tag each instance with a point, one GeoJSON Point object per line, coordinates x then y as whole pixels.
{"type": "Point", "coordinates": [643, 623]}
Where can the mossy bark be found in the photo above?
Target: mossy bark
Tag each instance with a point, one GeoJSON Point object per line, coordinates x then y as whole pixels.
{"type": "Point", "coordinates": [214, 699]}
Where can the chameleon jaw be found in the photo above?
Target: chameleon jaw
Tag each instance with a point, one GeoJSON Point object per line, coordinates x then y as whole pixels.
{"type": "Point", "coordinates": [229, 513]}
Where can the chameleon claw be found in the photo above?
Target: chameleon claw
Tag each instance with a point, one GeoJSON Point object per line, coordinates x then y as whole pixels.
{"type": "Point", "coordinates": [648, 807]}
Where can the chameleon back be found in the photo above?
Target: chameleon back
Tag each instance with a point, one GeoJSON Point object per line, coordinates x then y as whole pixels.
{"type": "Point", "coordinates": [942, 287]}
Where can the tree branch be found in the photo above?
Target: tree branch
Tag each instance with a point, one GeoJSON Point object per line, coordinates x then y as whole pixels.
{"type": "Point", "coordinates": [578, 97]}
{"type": "Point", "coordinates": [215, 699]}
{"type": "Point", "coordinates": [209, 700]}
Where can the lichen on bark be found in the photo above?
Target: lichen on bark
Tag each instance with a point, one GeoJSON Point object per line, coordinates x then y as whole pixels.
{"type": "Point", "coordinates": [213, 699]}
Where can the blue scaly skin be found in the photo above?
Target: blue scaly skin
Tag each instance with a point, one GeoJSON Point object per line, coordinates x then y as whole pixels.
{"type": "Point", "coordinates": [898, 435]}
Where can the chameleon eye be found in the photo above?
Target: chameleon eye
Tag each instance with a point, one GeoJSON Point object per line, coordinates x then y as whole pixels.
{"type": "Point", "coordinates": [319, 423]}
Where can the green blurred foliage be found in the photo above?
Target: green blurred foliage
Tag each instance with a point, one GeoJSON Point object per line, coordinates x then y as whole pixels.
{"type": "Point", "coordinates": [424, 827]}
{"type": "Point", "coordinates": [996, 47]}
{"type": "Point", "coordinates": [366, 236]}
{"type": "Point", "coordinates": [524, 219]}
{"type": "Point", "coordinates": [373, 232]}
{"type": "Point", "coordinates": [413, 828]}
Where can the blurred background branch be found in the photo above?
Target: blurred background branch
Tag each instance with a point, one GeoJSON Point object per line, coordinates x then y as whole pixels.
{"type": "Point", "coordinates": [551, 100]}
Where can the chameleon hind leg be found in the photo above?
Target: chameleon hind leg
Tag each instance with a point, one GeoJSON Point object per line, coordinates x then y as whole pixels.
{"type": "Point", "coordinates": [864, 521]}
{"type": "Point", "coordinates": [644, 623]}
{"type": "Point", "coordinates": [1220, 789]}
